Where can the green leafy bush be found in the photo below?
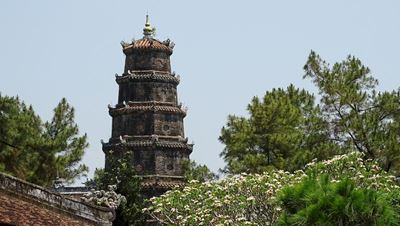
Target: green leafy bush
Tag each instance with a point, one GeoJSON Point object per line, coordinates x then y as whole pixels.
{"type": "Point", "coordinates": [123, 175]}
{"type": "Point", "coordinates": [321, 201]}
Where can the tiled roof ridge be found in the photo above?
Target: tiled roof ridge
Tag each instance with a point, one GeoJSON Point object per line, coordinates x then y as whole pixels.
{"type": "Point", "coordinates": [149, 138]}
{"type": "Point", "coordinates": [149, 143]}
{"type": "Point", "coordinates": [154, 108]}
{"type": "Point", "coordinates": [158, 176]}
{"type": "Point", "coordinates": [162, 181]}
{"type": "Point", "coordinates": [148, 43]}
{"type": "Point", "coordinates": [152, 76]}
{"type": "Point", "coordinates": [162, 184]}
{"type": "Point", "coordinates": [146, 103]}
{"type": "Point", "coordinates": [149, 72]}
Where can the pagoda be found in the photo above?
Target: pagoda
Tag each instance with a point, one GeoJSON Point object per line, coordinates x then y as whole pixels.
{"type": "Point", "coordinates": [148, 119]}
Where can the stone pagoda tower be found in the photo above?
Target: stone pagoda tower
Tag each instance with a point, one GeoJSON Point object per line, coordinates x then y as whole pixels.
{"type": "Point", "coordinates": [148, 121]}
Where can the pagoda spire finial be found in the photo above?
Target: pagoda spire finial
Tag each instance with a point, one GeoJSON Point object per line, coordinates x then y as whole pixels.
{"type": "Point", "coordinates": [148, 30]}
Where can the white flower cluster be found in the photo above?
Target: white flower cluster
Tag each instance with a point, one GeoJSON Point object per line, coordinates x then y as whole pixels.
{"type": "Point", "coordinates": [366, 173]}
{"type": "Point", "coordinates": [252, 199]}
{"type": "Point", "coordinates": [237, 200]}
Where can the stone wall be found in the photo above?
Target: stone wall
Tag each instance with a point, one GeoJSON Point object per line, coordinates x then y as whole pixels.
{"type": "Point", "coordinates": [147, 60]}
{"type": "Point", "coordinates": [23, 203]}
{"type": "Point", "coordinates": [147, 91]}
{"type": "Point", "coordinates": [143, 161]}
{"type": "Point", "coordinates": [153, 161]}
{"type": "Point", "coordinates": [141, 123]}
{"type": "Point", "coordinates": [169, 162]}
{"type": "Point", "coordinates": [168, 124]}
{"type": "Point", "coordinates": [148, 123]}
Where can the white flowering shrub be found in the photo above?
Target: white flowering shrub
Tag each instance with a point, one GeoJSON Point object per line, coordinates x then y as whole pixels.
{"type": "Point", "coordinates": [252, 199]}
{"type": "Point", "coordinates": [241, 199]}
{"type": "Point", "coordinates": [365, 173]}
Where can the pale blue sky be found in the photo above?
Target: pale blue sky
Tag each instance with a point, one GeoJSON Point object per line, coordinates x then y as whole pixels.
{"type": "Point", "coordinates": [226, 52]}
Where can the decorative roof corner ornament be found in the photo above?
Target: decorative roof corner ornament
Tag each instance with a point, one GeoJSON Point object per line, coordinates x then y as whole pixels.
{"type": "Point", "coordinates": [166, 42]}
{"type": "Point", "coordinates": [154, 138]}
{"type": "Point", "coordinates": [169, 43]}
{"type": "Point", "coordinates": [124, 44]}
{"type": "Point", "coordinates": [122, 140]}
{"type": "Point", "coordinates": [172, 45]}
{"type": "Point", "coordinates": [148, 30]}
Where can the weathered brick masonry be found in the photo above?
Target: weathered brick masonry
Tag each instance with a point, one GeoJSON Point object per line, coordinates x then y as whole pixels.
{"type": "Point", "coordinates": [23, 203]}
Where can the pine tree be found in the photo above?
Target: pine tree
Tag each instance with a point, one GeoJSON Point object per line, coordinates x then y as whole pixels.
{"type": "Point", "coordinates": [20, 131]}
{"type": "Point", "coordinates": [359, 116]}
{"type": "Point", "coordinates": [194, 171]}
{"type": "Point", "coordinates": [319, 201]}
{"type": "Point", "coordinates": [123, 175]}
{"type": "Point", "coordinates": [285, 130]}
{"type": "Point", "coordinates": [40, 152]}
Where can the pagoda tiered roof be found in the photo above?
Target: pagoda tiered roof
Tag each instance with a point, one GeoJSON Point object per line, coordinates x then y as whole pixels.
{"type": "Point", "coordinates": [152, 108]}
{"type": "Point", "coordinates": [148, 43]}
{"type": "Point", "coordinates": [149, 143]}
{"type": "Point", "coordinates": [158, 76]}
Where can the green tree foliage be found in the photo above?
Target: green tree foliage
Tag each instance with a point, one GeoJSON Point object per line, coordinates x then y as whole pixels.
{"type": "Point", "coordinates": [359, 116]}
{"type": "Point", "coordinates": [40, 152]}
{"type": "Point", "coordinates": [123, 175]}
{"type": "Point", "coordinates": [285, 130]}
{"type": "Point", "coordinates": [20, 133]}
{"type": "Point", "coordinates": [63, 149]}
{"type": "Point", "coordinates": [394, 198]}
{"type": "Point", "coordinates": [194, 171]}
{"type": "Point", "coordinates": [319, 201]}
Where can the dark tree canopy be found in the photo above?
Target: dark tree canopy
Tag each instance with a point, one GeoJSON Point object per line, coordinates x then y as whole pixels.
{"type": "Point", "coordinates": [195, 171]}
{"type": "Point", "coordinates": [286, 129]}
{"type": "Point", "coordinates": [359, 116]}
{"type": "Point", "coordinates": [319, 201]}
{"type": "Point", "coordinates": [20, 135]}
{"type": "Point", "coordinates": [124, 177]}
{"type": "Point", "coordinates": [37, 151]}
